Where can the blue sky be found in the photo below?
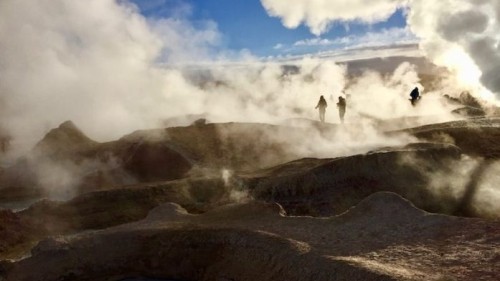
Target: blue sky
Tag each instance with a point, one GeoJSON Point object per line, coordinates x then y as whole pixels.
{"type": "Point", "coordinates": [244, 24]}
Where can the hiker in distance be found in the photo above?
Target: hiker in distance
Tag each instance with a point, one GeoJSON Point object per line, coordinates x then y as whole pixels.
{"type": "Point", "coordinates": [414, 96]}
{"type": "Point", "coordinates": [322, 108]}
{"type": "Point", "coordinates": [341, 105]}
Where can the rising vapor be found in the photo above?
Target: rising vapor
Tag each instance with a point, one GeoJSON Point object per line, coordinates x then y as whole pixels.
{"type": "Point", "coordinates": [98, 63]}
{"type": "Point", "coordinates": [109, 69]}
{"type": "Point", "coordinates": [460, 35]}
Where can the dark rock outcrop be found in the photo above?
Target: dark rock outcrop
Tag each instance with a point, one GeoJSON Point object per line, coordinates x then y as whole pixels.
{"type": "Point", "coordinates": [63, 139]}
{"type": "Point", "coordinates": [148, 162]}
{"type": "Point", "coordinates": [469, 111]}
{"type": "Point", "coordinates": [240, 146]}
{"type": "Point", "coordinates": [15, 231]}
{"type": "Point", "coordinates": [476, 137]}
{"type": "Point", "coordinates": [330, 186]}
{"type": "Point", "coordinates": [156, 155]}
{"type": "Point", "coordinates": [95, 165]}
{"type": "Point", "coordinates": [102, 209]}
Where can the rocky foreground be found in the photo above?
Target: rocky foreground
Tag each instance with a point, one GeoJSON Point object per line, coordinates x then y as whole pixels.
{"type": "Point", "coordinates": [383, 238]}
{"type": "Point", "coordinates": [167, 203]}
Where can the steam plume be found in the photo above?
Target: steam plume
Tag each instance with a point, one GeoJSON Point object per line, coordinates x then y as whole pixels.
{"type": "Point", "coordinates": [458, 34]}
{"type": "Point", "coordinates": [103, 65]}
{"type": "Point", "coordinates": [461, 35]}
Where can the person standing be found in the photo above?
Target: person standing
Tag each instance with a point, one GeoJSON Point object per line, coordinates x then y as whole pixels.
{"type": "Point", "coordinates": [415, 96]}
{"type": "Point", "coordinates": [341, 105]}
{"type": "Point", "coordinates": [322, 108]}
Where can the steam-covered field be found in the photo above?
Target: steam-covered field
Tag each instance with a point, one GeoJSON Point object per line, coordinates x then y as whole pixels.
{"type": "Point", "coordinates": [393, 193]}
{"type": "Point", "coordinates": [134, 147]}
{"type": "Point", "coordinates": [347, 198]}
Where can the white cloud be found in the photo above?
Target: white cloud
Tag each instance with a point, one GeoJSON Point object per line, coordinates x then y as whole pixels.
{"type": "Point", "coordinates": [278, 46]}
{"type": "Point", "coordinates": [319, 14]}
{"type": "Point", "coordinates": [314, 42]}
{"type": "Point", "coordinates": [384, 37]}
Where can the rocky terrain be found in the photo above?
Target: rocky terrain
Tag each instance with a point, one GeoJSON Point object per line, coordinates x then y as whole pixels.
{"type": "Point", "coordinates": [246, 201]}
{"type": "Point", "coordinates": [330, 186]}
{"type": "Point", "coordinates": [383, 238]}
{"type": "Point", "coordinates": [478, 136]}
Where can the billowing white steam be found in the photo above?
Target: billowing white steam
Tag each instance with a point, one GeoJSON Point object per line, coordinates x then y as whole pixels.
{"type": "Point", "coordinates": [90, 61]}
{"type": "Point", "coordinates": [461, 35]}
{"type": "Point", "coordinates": [103, 65]}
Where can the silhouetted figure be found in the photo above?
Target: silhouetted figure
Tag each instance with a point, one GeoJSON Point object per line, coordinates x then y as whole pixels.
{"type": "Point", "coordinates": [322, 108]}
{"type": "Point", "coordinates": [341, 105]}
{"type": "Point", "coordinates": [415, 96]}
